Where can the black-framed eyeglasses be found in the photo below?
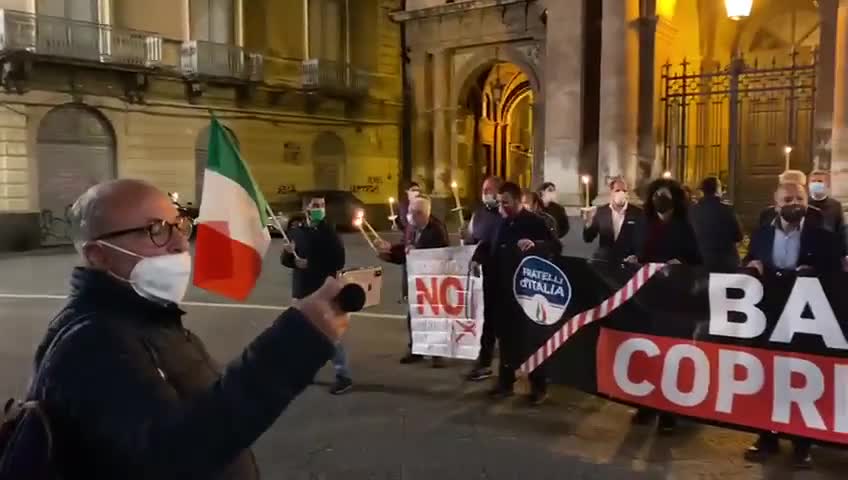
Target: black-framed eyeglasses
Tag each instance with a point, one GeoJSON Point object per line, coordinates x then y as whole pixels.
{"type": "Point", "coordinates": [160, 232]}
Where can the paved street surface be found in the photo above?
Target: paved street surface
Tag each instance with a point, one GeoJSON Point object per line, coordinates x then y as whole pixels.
{"type": "Point", "coordinates": [405, 422]}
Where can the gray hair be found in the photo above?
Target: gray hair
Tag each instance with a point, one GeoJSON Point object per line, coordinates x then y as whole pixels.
{"type": "Point", "coordinates": [423, 202]}
{"type": "Point", "coordinates": [820, 172]}
{"type": "Point", "coordinates": [89, 215]}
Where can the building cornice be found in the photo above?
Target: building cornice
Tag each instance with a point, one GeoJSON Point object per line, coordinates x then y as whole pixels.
{"type": "Point", "coordinates": [451, 9]}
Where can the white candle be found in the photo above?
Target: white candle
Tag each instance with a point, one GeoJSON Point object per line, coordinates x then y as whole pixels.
{"type": "Point", "coordinates": [586, 179]}
{"type": "Point", "coordinates": [787, 152]}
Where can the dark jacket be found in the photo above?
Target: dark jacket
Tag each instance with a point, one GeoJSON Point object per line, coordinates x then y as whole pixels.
{"type": "Point", "coordinates": [434, 235]}
{"type": "Point", "coordinates": [114, 415]}
{"type": "Point", "coordinates": [833, 220]}
{"type": "Point", "coordinates": [558, 212]}
{"type": "Point", "coordinates": [819, 248]}
{"type": "Point", "coordinates": [324, 252]}
{"type": "Point", "coordinates": [611, 249]}
{"type": "Point", "coordinates": [674, 240]}
{"type": "Point", "coordinates": [718, 232]}
{"type": "Point", "coordinates": [484, 224]}
{"type": "Point", "coordinates": [501, 255]}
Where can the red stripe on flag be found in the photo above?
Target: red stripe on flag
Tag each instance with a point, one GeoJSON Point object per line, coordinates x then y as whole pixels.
{"type": "Point", "coordinates": [223, 265]}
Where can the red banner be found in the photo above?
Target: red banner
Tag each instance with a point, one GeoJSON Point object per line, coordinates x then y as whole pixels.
{"type": "Point", "coordinates": [793, 393]}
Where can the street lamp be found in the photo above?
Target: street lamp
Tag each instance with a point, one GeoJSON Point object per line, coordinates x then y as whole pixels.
{"type": "Point", "coordinates": [738, 9]}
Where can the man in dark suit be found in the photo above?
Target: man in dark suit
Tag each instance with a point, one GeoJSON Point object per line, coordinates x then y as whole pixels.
{"type": "Point", "coordinates": [833, 219]}
{"type": "Point", "coordinates": [790, 243]}
{"type": "Point", "coordinates": [483, 226]}
{"type": "Point", "coordinates": [519, 234]}
{"type": "Point", "coordinates": [315, 254]}
{"type": "Point", "coordinates": [813, 215]}
{"type": "Point", "coordinates": [717, 229]}
{"type": "Point", "coordinates": [548, 193]}
{"type": "Point", "coordinates": [617, 223]}
{"type": "Point", "coordinates": [423, 231]}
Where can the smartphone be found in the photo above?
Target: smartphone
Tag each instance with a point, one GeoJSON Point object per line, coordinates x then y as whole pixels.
{"type": "Point", "coordinates": [369, 278]}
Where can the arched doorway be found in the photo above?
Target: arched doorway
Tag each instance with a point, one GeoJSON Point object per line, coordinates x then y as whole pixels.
{"type": "Point", "coordinates": [76, 150]}
{"type": "Point", "coordinates": [201, 158]}
{"type": "Point", "coordinates": [329, 158]}
{"type": "Point", "coordinates": [495, 134]}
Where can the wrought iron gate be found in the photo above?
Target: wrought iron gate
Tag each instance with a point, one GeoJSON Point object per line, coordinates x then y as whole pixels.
{"type": "Point", "coordinates": [735, 122]}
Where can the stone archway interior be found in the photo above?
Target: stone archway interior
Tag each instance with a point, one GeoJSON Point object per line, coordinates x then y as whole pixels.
{"type": "Point", "coordinates": [201, 158]}
{"type": "Point", "coordinates": [75, 150]}
{"type": "Point", "coordinates": [329, 158]}
{"type": "Point", "coordinates": [494, 126]}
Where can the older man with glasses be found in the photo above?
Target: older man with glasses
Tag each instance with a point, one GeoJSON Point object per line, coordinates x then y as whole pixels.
{"type": "Point", "coordinates": [130, 392]}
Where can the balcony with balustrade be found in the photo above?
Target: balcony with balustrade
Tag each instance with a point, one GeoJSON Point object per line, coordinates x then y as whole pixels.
{"type": "Point", "coordinates": [222, 62]}
{"type": "Point", "coordinates": [334, 78]}
{"type": "Point", "coordinates": [62, 39]}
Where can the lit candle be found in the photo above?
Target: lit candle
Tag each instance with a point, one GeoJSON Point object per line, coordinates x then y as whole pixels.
{"type": "Point", "coordinates": [358, 223]}
{"type": "Point", "coordinates": [392, 207]}
{"type": "Point", "coordinates": [455, 188]}
{"type": "Point", "coordinates": [787, 152]}
{"type": "Point", "coordinates": [667, 174]}
{"type": "Point", "coordinates": [586, 180]}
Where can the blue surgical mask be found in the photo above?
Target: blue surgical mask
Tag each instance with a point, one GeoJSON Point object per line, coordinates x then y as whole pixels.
{"type": "Point", "coordinates": [818, 190]}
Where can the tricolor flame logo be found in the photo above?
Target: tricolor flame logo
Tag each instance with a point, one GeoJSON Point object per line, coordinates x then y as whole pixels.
{"type": "Point", "coordinates": [541, 313]}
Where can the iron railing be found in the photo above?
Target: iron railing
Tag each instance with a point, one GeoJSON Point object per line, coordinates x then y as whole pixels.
{"type": "Point", "coordinates": [334, 76]}
{"type": "Point", "coordinates": [220, 60]}
{"type": "Point", "coordinates": [66, 38]}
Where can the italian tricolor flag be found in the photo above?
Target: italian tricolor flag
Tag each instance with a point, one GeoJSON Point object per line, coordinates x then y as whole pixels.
{"type": "Point", "coordinates": [231, 233]}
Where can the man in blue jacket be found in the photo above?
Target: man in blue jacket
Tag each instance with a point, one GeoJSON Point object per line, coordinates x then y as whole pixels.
{"type": "Point", "coordinates": [130, 392]}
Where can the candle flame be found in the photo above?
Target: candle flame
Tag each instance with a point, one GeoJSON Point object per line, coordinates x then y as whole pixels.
{"type": "Point", "coordinates": [787, 149]}
{"type": "Point", "coordinates": [586, 179]}
{"type": "Point", "coordinates": [667, 174]}
{"type": "Point", "coordinates": [454, 185]}
{"type": "Point", "coordinates": [391, 199]}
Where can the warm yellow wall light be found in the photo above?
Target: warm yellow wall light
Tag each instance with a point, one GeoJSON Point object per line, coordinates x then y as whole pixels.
{"type": "Point", "coordinates": [738, 9]}
{"type": "Point", "coordinates": [665, 8]}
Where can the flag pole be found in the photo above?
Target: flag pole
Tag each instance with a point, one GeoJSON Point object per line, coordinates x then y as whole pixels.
{"type": "Point", "coordinates": [277, 224]}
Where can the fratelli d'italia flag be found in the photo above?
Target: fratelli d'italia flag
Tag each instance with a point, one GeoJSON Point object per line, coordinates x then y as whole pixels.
{"type": "Point", "coordinates": [231, 234]}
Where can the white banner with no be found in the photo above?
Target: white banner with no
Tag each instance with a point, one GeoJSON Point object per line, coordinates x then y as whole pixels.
{"type": "Point", "coordinates": [445, 303]}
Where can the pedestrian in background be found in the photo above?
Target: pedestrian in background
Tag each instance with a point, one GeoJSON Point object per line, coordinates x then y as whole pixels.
{"type": "Point", "coordinates": [532, 202]}
{"type": "Point", "coordinates": [423, 231]}
{"type": "Point", "coordinates": [316, 254]}
{"type": "Point", "coordinates": [618, 224]}
{"type": "Point", "coordinates": [482, 228]}
{"type": "Point", "coordinates": [833, 218]}
{"type": "Point", "coordinates": [717, 228]}
{"type": "Point", "coordinates": [548, 193]}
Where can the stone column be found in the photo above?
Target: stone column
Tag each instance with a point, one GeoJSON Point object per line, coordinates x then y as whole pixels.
{"type": "Point", "coordinates": [185, 13]}
{"type": "Point", "coordinates": [824, 84]}
{"type": "Point", "coordinates": [620, 89]}
{"type": "Point", "coordinates": [422, 146]}
{"type": "Point", "coordinates": [563, 100]}
{"type": "Point", "coordinates": [441, 128]}
{"type": "Point", "coordinates": [839, 151]}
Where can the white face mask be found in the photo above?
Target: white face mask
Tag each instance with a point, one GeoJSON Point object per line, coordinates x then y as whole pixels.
{"type": "Point", "coordinates": [489, 200]}
{"type": "Point", "coordinates": [163, 278]}
{"type": "Point", "coordinates": [619, 198]}
{"type": "Point", "coordinates": [409, 219]}
{"type": "Point", "coordinates": [818, 190]}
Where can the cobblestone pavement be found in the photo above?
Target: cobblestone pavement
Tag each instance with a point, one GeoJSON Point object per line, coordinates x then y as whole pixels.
{"type": "Point", "coordinates": [408, 422]}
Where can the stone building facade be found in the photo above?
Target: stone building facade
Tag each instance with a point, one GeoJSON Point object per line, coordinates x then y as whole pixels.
{"type": "Point", "coordinates": [96, 89]}
{"type": "Point", "coordinates": [639, 88]}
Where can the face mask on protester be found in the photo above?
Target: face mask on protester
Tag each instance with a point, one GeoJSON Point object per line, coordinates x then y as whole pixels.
{"type": "Point", "coordinates": [818, 190]}
{"type": "Point", "coordinates": [409, 219]}
{"type": "Point", "coordinates": [489, 200]}
{"type": "Point", "coordinates": [162, 278]}
{"type": "Point", "coordinates": [619, 198]}
{"type": "Point", "coordinates": [662, 204]}
{"type": "Point", "coordinates": [317, 215]}
{"type": "Point", "coordinates": [792, 214]}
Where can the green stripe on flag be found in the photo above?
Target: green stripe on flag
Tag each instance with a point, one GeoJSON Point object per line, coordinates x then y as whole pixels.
{"type": "Point", "coordinates": [225, 159]}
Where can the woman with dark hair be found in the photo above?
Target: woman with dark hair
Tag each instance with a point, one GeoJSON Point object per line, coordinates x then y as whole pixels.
{"type": "Point", "coordinates": [668, 238]}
